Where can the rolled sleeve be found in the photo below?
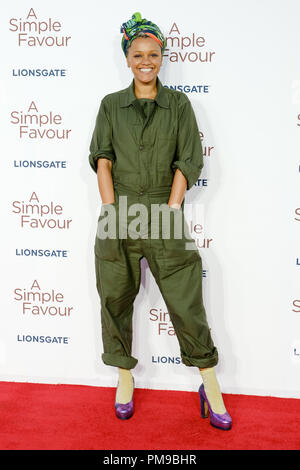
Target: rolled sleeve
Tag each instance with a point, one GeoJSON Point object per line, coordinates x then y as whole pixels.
{"type": "Point", "coordinates": [101, 143]}
{"type": "Point", "coordinates": [189, 153]}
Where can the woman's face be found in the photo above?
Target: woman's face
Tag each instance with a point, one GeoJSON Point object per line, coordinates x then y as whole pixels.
{"type": "Point", "coordinates": [144, 58]}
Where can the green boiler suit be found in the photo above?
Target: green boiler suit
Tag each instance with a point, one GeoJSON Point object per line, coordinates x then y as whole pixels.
{"type": "Point", "coordinates": [146, 141]}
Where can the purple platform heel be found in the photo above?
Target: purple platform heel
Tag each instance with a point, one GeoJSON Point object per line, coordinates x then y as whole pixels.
{"type": "Point", "coordinates": [223, 421]}
{"type": "Point", "coordinates": [124, 411]}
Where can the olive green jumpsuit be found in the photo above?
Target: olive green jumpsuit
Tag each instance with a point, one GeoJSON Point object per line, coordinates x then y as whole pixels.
{"type": "Point", "coordinates": [147, 140]}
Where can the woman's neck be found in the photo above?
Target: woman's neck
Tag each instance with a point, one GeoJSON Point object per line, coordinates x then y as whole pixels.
{"type": "Point", "coordinates": [145, 90]}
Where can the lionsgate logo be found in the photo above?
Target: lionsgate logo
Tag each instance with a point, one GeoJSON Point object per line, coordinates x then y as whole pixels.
{"type": "Point", "coordinates": [37, 215]}
{"type": "Point", "coordinates": [32, 31]}
{"type": "Point", "coordinates": [166, 360]}
{"type": "Point", "coordinates": [188, 47]}
{"type": "Point", "coordinates": [42, 303]}
{"type": "Point", "coordinates": [35, 125]}
{"type": "Point", "coordinates": [42, 339]}
{"type": "Point", "coordinates": [296, 351]}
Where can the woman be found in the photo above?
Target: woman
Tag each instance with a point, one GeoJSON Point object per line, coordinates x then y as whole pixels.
{"type": "Point", "coordinates": [147, 151]}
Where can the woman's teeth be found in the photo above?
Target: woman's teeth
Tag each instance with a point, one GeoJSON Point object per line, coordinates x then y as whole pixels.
{"type": "Point", "coordinates": [145, 70]}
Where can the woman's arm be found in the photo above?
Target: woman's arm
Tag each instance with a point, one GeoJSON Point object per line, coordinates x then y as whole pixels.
{"type": "Point", "coordinates": [177, 191]}
{"type": "Point", "coordinates": [105, 181]}
{"type": "Point", "coordinates": [106, 187]}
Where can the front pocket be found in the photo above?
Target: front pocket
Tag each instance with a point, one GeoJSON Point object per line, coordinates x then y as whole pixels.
{"type": "Point", "coordinates": [107, 245]}
{"type": "Point", "coordinates": [107, 249]}
{"type": "Point", "coordinates": [175, 250]}
{"type": "Point", "coordinates": [176, 256]}
{"type": "Point", "coordinates": [165, 151]}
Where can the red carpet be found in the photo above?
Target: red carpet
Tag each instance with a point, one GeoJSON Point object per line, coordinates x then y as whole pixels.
{"type": "Point", "coordinates": [65, 417]}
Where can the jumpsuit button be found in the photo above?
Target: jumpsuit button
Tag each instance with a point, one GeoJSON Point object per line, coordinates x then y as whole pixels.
{"type": "Point", "coordinates": [141, 147]}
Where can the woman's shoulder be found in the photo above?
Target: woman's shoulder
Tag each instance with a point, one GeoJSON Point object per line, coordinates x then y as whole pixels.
{"type": "Point", "coordinates": [176, 96]}
{"type": "Point", "coordinates": [113, 96]}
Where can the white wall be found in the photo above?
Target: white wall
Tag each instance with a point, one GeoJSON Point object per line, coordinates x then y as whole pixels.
{"type": "Point", "coordinates": [248, 112]}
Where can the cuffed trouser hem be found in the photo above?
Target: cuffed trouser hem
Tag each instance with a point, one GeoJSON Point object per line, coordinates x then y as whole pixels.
{"type": "Point", "coordinates": [202, 363]}
{"type": "Point", "coordinates": [126, 362]}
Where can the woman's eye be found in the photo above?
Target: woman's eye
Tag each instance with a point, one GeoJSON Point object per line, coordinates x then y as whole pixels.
{"type": "Point", "coordinates": [139, 55]}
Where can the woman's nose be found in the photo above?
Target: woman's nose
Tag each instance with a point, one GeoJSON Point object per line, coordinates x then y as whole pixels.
{"type": "Point", "coordinates": [146, 60]}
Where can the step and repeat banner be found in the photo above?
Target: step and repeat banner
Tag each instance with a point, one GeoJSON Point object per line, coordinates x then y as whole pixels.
{"type": "Point", "coordinates": [238, 62]}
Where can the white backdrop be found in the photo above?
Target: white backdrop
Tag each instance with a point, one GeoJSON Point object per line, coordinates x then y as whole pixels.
{"type": "Point", "coordinates": [246, 97]}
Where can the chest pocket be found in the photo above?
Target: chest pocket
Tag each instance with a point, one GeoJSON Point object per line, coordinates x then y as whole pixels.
{"type": "Point", "coordinates": [165, 150]}
{"type": "Point", "coordinates": [132, 117]}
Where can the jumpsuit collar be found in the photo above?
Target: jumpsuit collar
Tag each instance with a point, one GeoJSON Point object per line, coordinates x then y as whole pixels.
{"type": "Point", "coordinates": [127, 97]}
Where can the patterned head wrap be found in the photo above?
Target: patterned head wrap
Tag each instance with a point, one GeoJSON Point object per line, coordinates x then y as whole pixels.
{"type": "Point", "coordinates": [136, 25]}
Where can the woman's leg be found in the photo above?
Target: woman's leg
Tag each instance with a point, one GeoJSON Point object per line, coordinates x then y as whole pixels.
{"type": "Point", "coordinates": [212, 390]}
{"type": "Point", "coordinates": [181, 287]}
{"type": "Point", "coordinates": [118, 279]}
{"type": "Point", "coordinates": [178, 274]}
{"type": "Point", "coordinates": [125, 386]}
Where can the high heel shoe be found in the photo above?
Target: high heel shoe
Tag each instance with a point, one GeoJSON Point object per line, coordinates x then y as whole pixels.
{"type": "Point", "coordinates": [125, 411]}
{"type": "Point", "coordinates": [222, 421]}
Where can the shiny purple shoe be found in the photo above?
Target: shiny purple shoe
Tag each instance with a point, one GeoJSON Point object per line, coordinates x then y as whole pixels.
{"type": "Point", "coordinates": [223, 421]}
{"type": "Point", "coordinates": [124, 411]}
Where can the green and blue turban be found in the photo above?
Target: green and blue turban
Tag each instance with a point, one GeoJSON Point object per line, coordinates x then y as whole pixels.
{"type": "Point", "coordinates": [135, 25]}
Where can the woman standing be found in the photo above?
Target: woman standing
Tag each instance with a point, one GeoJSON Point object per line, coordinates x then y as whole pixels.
{"type": "Point", "coordinates": [146, 150]}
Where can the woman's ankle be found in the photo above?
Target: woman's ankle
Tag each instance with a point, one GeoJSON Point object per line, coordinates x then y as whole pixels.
{"type": "Point", "coordinates": [125, 386]}
{"type": "Point", "coordinates": [212, 390]}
